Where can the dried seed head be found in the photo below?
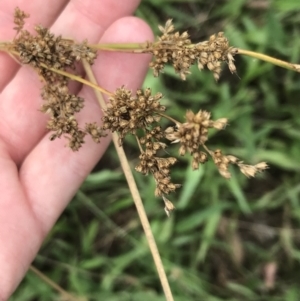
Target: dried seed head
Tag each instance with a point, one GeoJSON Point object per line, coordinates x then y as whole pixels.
{"type": "Point", "coordinates": [220, 124]}
{"type": "Point", "coordinates": [83, 52]}
{"type": "Point", "coordinates": [69, 127]}
{"type": "Point", "coordinates": [193, 134]}
{"type": "Point", "coordinates": [169, 207]}
{"type": "Point", "coordinates": [44, 48]}
{"type": "Point", "coordinates": [172, 47]}
{"type": "Point", "coordinates": [222, 162]}
{"type": "Point", "coordinates": [251, 170]}
{"type": "Point", "coordinates": [19, 17]}
{"type": "Point", "coordinates": [76, 140]}
{"type": "Point", "coordinates": [126, 113]}
{"type": "Point", "coordinates": [95, 131]}
{"type": "Point", "coordinates": [160, 169]}
{"type": "Point", "coordinates": [177, 49]}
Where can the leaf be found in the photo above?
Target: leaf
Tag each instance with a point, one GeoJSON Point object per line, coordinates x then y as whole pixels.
{"type": "Point", "coordinates": [208, 235]}
{"type": "Point", "coordinates": [198, 218]}
{"type": "Point", "coordinates": [278, 158]}
{"type": "Point", "coordinates": [238, 193]}
{"type": "Point", "coordinates": [286, 5]}
{"type": "Point", "coordinates": [90, 235]}
{"type": "Point", "coordinates": [103, 177]}
{"type": "Point", "coordinates": [93, 263]}
{"type": "Point", "coordinates": [192, 181]}
{"type": "Point", "coordinates": [242, 290]}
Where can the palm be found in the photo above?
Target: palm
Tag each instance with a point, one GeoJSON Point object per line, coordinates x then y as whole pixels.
{"type": "Point", "coordinates": [38, 177]}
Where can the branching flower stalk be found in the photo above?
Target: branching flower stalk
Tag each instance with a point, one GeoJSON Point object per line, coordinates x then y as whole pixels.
{"type": "Point", "coordinates": [127, 113]}
{"type": "Point", "coordinates": [135, 195]}
{"type": "Point", "coordinates": [140, 48]}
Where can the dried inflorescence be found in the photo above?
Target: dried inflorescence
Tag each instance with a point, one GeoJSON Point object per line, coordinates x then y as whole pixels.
{"type": "Point", "coordinates": [151, 163]}
{"type": "Point", "coordinates": [44, 48]}
{"type": "Point", "coordinates": [193, 133]}
{"type": "Point", "coordinates": [95, 131]}
{"type": "Point", "coordinates": [43, 51]}
{"type": "Point", "coordinates": [137, 114]}
{"type": "Point", "coordinates": [19, 18]}
{"type": "Point", "coordinates": [59, 101]}
{"type": "Point", "coordinates": [160, 169]}
{"type": "Point", "coordinates": [222, 162]}
{"type": "Point", "coordinates": [69, 127]}
{"type": "Point", "coordinates": [126, 113]}
{"type": "Point", "coordinates": [173, 47]}
{"type": "Point", "coordinates": [192, 136]}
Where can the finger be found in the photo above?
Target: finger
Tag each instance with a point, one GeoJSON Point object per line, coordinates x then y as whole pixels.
{"type": "Point", "coordinates": [21, 124]}
{"type": "Point", "coordinates": [50, 162]}
{"type": "Point", "coordinates": [17, 224]}
{"type": "Point", "coordinates": [39, 14]}
{"type": "Point", "coordinates": [51, 173]}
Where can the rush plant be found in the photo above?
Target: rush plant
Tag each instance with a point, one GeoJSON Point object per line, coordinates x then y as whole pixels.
{"type": "Point", "coordinates": [136, 113]}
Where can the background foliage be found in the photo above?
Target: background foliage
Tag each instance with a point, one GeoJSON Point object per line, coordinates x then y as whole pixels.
{"type": "Point", "coordinates": [232, 239]}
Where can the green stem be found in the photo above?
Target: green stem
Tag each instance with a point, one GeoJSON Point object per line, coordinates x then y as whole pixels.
{"type": "Point", "coordinates": [120, 47]}
{"type": "Point", "coordinates": [269, 59]}
{"type": "Point", "coordinates": [147, 47]}
{"type": "Point", "coordinates": [135, 47]}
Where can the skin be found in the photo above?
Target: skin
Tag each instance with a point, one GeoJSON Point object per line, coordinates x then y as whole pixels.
{"type": "Point", "coordinates": [38, 178]}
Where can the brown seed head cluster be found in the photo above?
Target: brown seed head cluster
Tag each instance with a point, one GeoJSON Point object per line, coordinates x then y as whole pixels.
{"type": "Point", "coordinates": [95, 131]}
{"type": "Point", "coordinates": [68, 126]}
{"type": "Point", "coordinates": [214, 51]}
{"type": "Point", "coordinates": [44, 50]}
{"type": "Point", "coordinates": [173, 47]}
{"type": "Point", "coordinates": [193, 133]}
{"type": "Point", "coordinates": [126, 113]}
{"type": "Point", "coordinates": [252, 170]}
{"type": "Point", "coordinates": [192, 137]}
{"type": "Point", "coordinates": [59, 101]}
{"type": "Point", "coordinates": [139, 115]}
{"type": "Point", "coordinates": [159, 167]}
{"type": "Point", "coordinates": [222, 162]}
{"type": "Point", "coordinates": [19, 18]}
{"type": "Point", "coordinates": [169, 206]}
{"type": "Point", "coordinates": [152, 139]}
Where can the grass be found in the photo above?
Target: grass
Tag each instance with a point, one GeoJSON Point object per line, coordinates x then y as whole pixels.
{"type": "Point", "coordinates": [225, 236]}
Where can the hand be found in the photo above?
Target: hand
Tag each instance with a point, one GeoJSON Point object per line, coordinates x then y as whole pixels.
{"type": "Point", "coordinates": [39, 177]}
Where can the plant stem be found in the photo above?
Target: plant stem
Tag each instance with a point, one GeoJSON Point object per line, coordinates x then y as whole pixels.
{"type": "Point", "coordinates": [139, 144]}
{"type": "Point", "coordinates": [206, 148]}
{"type": "Point", "coordinates": [136, 196]}
{"type": "Point", "coordinates": [64, 294]}
{"type": "Point", "coordinates": [135, 47]}
{"type": "Point", "coordinates": [3, 46]}
{"type": "Point", "coordinates": [269, 59]}
{"type": "Point", "coordinates": [169, 118]}
{"type": "Point", "coordinates": [147, 47]}
{"type": "Point", "coordinates": [78, 79]}
{"type": "Point", "coordinates": [120, 47]}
